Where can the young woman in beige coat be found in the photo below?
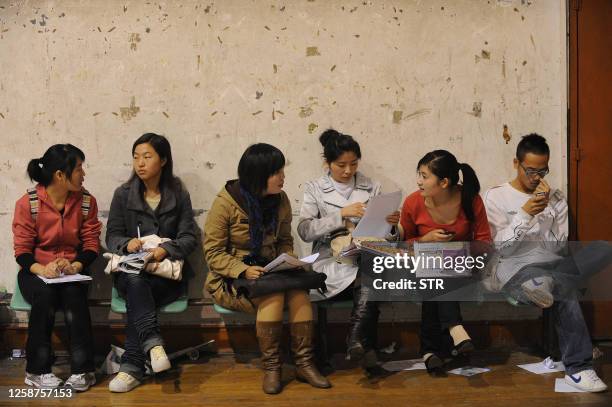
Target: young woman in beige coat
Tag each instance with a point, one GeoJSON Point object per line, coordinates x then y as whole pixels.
{"type": "Point", "coordinates": [249, 224]}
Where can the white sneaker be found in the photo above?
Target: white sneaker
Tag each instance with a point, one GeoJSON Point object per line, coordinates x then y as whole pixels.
{"type": "Point", "coordinates": [587, 380]}
{"type": "Point", "coordinates": [159, 359]}
{"type": "Point", "coordinates": [81, 381]}
{"type": "Point", "coordinates": [539, 291]}
{"type": "Point", "coordinates": [122, 383]}
{"type": "Point", "coordinates": [44, 381]}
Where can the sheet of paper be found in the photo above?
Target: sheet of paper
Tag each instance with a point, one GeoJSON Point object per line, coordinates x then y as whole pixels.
{"type": "Point", "coordinates": [285, 262]}
{"type": "Point", "coordinates": [401, 365]}
{"type": "Point", "coordinates": [373, 223]}
{"type": "Point", "coordinates": [469, 371]}
{"type": "Point", "coordinates": [66, 279]}
{"type": "Point", "coordinates": [539, 368]}
{"type": "Point", "coordinates": [562, 387]}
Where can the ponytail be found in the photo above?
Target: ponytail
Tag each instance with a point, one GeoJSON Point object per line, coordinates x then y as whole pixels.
{"type": "Point", "coordinates": [38, 173]}
{"type": "Point", "coordinates": [470, 188]}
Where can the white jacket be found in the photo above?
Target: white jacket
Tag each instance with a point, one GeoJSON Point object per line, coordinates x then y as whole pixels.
{"type": "Point", "coordinates": [520, 238]}
{"type": "Point", "coordinates": [320, 216]}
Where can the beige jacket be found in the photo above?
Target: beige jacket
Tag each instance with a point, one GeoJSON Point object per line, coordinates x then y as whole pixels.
{"type": "Point", "coordinates": [227, 242]}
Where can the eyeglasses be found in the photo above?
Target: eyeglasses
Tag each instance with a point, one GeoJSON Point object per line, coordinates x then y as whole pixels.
{"type": "Point", "coordinates": [532, 173]}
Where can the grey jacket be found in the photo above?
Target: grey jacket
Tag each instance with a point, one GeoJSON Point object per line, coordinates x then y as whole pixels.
{"type": "Point", "coordinates": [320, 216]}
{"type": "Point", "coordinates": [173, 219]}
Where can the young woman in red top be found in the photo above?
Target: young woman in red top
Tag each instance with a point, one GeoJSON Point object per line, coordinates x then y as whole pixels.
{"type": "Point", "coordinates": [56, 231]}
{"type": "Point", "coordinates": [444, 210]}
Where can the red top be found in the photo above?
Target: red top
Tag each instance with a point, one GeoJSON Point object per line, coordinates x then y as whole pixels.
{"type": "Point", "coordinates": [416, 221]}
{"type": "Point", "coordinates": [53, 234]}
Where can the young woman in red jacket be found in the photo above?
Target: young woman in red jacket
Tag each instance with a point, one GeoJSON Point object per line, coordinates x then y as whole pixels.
{"type": "Point", "coordinates": [444, 210]}
{"type": "Point", "coordinates": [56, 232]}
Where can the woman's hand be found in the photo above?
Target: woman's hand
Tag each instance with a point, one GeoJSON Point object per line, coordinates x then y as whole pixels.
{"type": "Point", "coordinates": [73, 268]}
{"type": "Point", "coordinates": [355, 210]}
{"type": "Point", "coordinates": [159, 253]}
{"type": "Point", "coordinates": [51, 270]}
{"type": "Point", "coordinates": [134, 245]}
{"type": "Point", "coordinates": [254, 272]}
{"type": "Point", "coordinates": [437, 235]}
{"type": "Point", "coordinates": [393, 218]}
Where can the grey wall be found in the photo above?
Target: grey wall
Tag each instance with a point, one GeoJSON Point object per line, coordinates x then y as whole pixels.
{"type": "Point", "coordinates": [403, 77]}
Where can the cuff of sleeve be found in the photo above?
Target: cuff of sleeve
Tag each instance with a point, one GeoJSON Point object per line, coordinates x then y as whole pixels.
{"type": "Point", "coordinates": [171, 248]}
{"type": "Point", "coordinates": [237, 270]}
{"type": "Point", "coordinates": [86, 257]}
{"type": "Point", "coordinates": [525, 215]}
{"type": "Point", "coordinates": [25, 260]}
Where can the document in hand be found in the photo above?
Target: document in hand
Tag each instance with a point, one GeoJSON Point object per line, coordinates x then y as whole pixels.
{"type": "Point", "coordinates": [373, 223]}
{"type": "Point", "coordinates": [66, 279]}
{"type": "Point", "coordinates": [286, 262]}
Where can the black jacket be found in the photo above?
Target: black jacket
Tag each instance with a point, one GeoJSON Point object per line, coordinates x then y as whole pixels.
{"type": "Point", "coordinates": [173, 219]}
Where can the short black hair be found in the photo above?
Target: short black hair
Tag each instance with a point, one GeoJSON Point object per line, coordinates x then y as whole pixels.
{"type": "Point", "coordinates": [532, 143]}
{"type": "Point", "coordinates": [62, 157]}
{"type": "Point", "coordinates": [335, 144]}
{"type": "Point", "coordinates": [258, 163]}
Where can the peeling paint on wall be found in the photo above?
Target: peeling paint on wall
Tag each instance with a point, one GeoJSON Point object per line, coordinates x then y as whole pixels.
{"type": "Point", "coordinates": [131, 111]}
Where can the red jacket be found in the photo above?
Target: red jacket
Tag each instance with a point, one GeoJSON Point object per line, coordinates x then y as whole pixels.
{"type": "Point", "coordinates": [54, 235]}
{"type": "Point", "coordinates": [417, 222]}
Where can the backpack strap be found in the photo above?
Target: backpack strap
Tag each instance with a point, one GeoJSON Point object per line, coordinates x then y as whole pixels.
{"type": "Point", "coordinates": [85, 203]}
{"type": "Point", "coordinates": [33, 198]}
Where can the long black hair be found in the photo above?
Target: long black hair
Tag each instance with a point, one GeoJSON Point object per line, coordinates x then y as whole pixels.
{"type": "Point", "coordinates": [335, 144]}
{"type": "Point", "coordinates": [443, 164]}
{"type": "Point", "coordinates": [161, 145]}
{"type": "Point", "coordinates": [62, 157]}
{"type": "Point", "coordinates": [258, 163]}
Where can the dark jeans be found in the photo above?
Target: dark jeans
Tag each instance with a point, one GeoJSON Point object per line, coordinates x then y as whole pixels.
{"type": "Point", "coordinates": [45, 300]}
{"type": "Point", "coordinates": [568, 275]}
{"type": "Point", "coordinates": [436, 318]}
{"type": "Point", "coordinates": [143, 293]}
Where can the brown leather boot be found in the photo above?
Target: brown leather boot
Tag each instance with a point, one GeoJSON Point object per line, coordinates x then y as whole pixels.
{"type": "Point", "coordinates": [301, 346]}
{"type": "Point", "coordinates": [268, 336]}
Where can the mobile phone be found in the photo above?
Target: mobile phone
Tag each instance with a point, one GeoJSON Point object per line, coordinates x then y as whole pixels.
{"type": "Point", "coordinates": [540, 194]}
{"type": "Point", "coordinates": [449, 232]}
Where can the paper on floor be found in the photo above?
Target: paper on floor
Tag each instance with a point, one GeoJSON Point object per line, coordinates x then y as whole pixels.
{"type": "Point", "coordinates": [469, 371]}
{"type": "Point", "coordinates": [542, 368]}
{"type": "Point", "coordinates": [400, 365]}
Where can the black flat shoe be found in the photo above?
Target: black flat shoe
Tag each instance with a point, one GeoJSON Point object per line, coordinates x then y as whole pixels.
{"type": "Point", "coordinates": [433, 363]}
{"type": "Point", "coordinates": [463, 347]}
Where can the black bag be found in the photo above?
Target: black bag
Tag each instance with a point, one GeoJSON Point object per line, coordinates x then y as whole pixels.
{"type": "Point", "coordinates": [280, 281]}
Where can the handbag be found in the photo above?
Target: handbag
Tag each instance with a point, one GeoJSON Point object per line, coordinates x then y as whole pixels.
{"type": "Point", "coordinates": [280, 281]}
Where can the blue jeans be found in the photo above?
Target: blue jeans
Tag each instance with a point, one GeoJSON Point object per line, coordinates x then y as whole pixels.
{"type": "Point", "coordinates": [143, 293]}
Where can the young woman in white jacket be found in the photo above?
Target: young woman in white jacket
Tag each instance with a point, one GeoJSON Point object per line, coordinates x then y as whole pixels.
{"type": "Point", "coordinates": [333, 204]}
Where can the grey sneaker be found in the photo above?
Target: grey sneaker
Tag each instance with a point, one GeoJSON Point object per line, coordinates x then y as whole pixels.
{"type": "Point", "coordinates": [122, 383]}
{"type": "Point", "coordinates": [44, 381]}
{"type": "Point", "coordinates": [159, 359]}
{"type": "Point", "coordinates": [81, 381]}
{"type": "Point", "coordinates": [539, 291]}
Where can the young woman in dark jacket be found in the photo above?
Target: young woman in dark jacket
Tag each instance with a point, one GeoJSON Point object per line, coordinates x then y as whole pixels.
{"type": "Point", "coordinates": [152, 202]}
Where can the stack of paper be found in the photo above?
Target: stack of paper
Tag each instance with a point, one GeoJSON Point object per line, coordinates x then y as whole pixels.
{"type": "Point", "coordinates": [286, 262]}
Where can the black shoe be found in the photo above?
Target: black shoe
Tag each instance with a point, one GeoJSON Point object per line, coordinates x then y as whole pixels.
{"type": "Point", "coordinates": [355, 351]}
{"type": "Point", "coordinates": [463, 347]}
{"type": "Point", "coordinates": [433, 363]}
